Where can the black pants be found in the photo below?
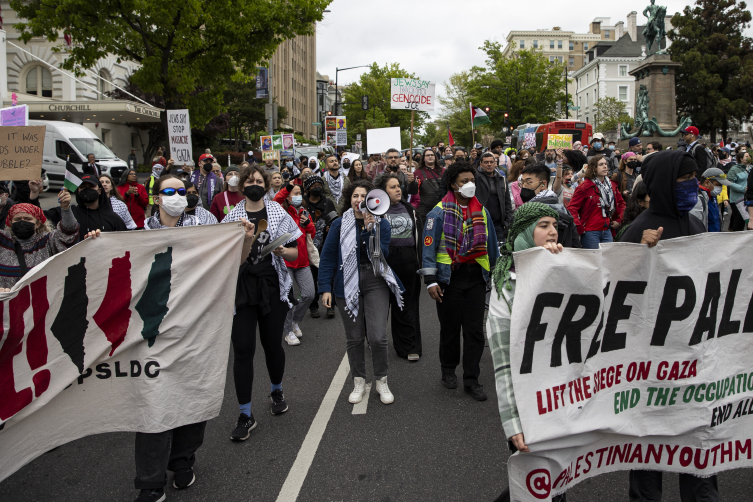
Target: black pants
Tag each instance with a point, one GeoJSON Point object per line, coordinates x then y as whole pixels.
{"type": "Point", "coordinates": [159, 452]}
{"type": "Point", "coordinates": [315, 274]}
{"type": "Point", "coordinates": [244, 344]}
{"type": "Point", "coordinates": [645, 486]}
{"type": "Point", "coordinates": [462, 307]}
{"type": "Point", "coordinates": [405, 323]}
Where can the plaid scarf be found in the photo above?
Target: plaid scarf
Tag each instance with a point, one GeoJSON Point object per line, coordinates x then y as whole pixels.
{"type": "Point", "coordinates": [463, 241]}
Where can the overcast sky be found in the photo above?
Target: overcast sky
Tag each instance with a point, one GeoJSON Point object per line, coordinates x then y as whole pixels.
{"type": "Point", "coordinates": [438, 38]}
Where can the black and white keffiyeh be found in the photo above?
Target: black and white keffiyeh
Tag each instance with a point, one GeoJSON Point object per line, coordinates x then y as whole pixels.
{"type": "Point", "coordinates": [279, 222]}
{"type": "Point", "coordinates": [122, 210]}
{"type": "Point", "coordinates": [349, 250]}
{"type": "Point", "coordinates": [606, 195]}
{"type": "Point", "coordinates": [185, 220]}
{"type": "Point", "coordinates": [204, 216]}
{"type": "Point", "coordinates": [335, 185]}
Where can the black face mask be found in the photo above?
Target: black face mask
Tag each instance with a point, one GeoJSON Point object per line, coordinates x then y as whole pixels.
{"type": "Point", "coordinates": [316, 192]}
{"type": "Point", "coordinates": [23, 229]}
{"type": "Point", "coordinates": [346, 165]}
{"type": "Point", "coordinates": [254, 192]}
{"type": "Point", "coordinates": [88, 195]}
{"type": "Point", "coordinates": [632, 165]}
{"type": "Point", "coordinates": [527, 194]}
{"type": "Point", "coordinates": [193, 200]}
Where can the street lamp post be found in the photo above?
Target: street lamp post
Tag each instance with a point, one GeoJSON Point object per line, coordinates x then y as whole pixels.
{"type": "Point", "coordinates": [337, 111]}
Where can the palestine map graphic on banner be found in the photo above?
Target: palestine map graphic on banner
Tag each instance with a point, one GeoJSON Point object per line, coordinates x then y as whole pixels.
{"type": "Point", "coordinates": [98, 338]}
{"type": "Point", "coordinates": [628, 357]}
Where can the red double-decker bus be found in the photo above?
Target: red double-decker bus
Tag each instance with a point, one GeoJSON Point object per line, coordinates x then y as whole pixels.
{"type": "Point", "coordinates": [581, 131]}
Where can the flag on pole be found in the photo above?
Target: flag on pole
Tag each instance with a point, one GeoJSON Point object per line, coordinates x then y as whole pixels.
{"type": "Point", "coordinates": [721, 144]}
{"type": "Point", "coordinates": [72, 178]}
{"type": "Point", "coordinates": [478, 116]}
{"type": "Point", "coordinates": [68, 39]}
{"type": "Point", "coordinates": [450, 139]}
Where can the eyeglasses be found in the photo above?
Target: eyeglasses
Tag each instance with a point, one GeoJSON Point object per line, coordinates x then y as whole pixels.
{"type": "Point", "coordinates": [172, 191]}
{"type": "Point", "coordinates": [392, 157]}
{"type": "Point", "coordinates": [429, 155]}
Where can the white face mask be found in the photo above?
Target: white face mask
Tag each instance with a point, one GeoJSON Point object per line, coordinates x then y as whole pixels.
{"type": "Point", "coordinates": [468, 190]}
{"type": "Point", "coordinates": [716, 191]}
{"type": "Point", "coordinates": [173, 205]}
{"type": "Point", "coordinates": [233, 181]}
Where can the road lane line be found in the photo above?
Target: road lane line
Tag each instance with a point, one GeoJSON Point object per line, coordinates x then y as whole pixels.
{"type": "Point", "coordinates": [297, 475]}
{"type": "Point", "coordinates": [360, 408]}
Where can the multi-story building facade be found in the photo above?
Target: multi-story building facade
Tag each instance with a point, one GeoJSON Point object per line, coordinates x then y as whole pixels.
{"type": "Point", "coordinates": [294, 83]}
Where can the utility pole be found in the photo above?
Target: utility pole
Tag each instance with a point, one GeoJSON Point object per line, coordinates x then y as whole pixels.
{"type": "Point", "coordinates": [567, 101]}
{"type": "Point", "coordinates": [271, 111]}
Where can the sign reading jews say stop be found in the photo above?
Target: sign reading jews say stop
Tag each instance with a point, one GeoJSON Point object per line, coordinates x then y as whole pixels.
{"type": "Point", "coordinates": [179, 127]}
{"type": "Point", "coordinates": [412, 94]}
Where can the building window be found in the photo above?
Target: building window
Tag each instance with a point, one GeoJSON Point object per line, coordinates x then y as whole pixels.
{"type": "Point", "coordinates": [559, 58]}
{"type": "Point", "coordinates": [551, 44]}
{"type": "Point", "coordinates": [551, 59]}
{"type": "Point", "coordinates": [559, 44]}
{"type": "Point", "coordinates": [623, 93]}
{"type": "Point", "coordinates": [606, 34]}
{"type": "Point", "coordinates": [107, 137]}
{"type": "Point", "coordinates": [586, 78]}
{"type": "Point", "coordinates": [522, 44]}
{"type": "Point", "coordinates": [587, 121]}
{"type": "Point", "coordinates": [102, 84]}
{"type": "Point", "coordinates": [571, 61]}
{"type": "Point", "coordinates": [572, 46]}
{"type": "Point", "coordinates": [585, 46]}
{"type": "Point", "coordinates": [580, 101]}
{"type": "Point", "coordinates": [623, 70]}
{"type": "Point", "coordinates": [39, 82]}
{"type": "Point", "coordinates": [535, 44]}
{"type": "Point", "coordinates": [587, 99]}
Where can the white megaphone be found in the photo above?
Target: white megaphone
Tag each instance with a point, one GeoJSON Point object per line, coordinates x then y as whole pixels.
{"type": "Point", "coordinates": [377, 202]}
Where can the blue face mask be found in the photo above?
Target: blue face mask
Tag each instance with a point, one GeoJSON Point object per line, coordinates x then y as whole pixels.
{"type": "Point", "coordinates": [597, 146]}
{"type": "Point", "coordinates": [289, 164]}
{"type": "Point", "coordinates": [297, 200]}
{"type": "Point", "coordinates": [686, 195]}
{"type": "Point", "coordinates": [611, 147]}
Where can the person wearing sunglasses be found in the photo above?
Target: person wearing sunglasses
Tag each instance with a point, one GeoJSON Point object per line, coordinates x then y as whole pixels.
{"type": "Point", "coordinates": [261, 297]}
{"type": "Point", "coordinates": [173, 449]}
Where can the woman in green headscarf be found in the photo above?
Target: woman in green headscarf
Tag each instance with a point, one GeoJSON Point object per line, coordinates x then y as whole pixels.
{"type": "Point", "coordinates": [534, 224]}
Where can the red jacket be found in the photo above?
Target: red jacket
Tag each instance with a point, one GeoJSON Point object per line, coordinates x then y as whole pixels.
{"type": "Point", "coordinates": [303, 254]}
{"type": "Point", "coordinates": [585, 207]}
{"type": "Point", "coordinates": [136, 202]}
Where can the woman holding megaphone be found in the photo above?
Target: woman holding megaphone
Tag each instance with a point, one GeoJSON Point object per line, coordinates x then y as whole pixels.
{"type": "Point", "coordinates": [404, 261]}
{"type": "Point", "coordinates": [353, 256]}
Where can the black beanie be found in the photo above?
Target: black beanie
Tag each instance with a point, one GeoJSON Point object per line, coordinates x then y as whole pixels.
{"type": "Point", "coordinates": [687, 166]}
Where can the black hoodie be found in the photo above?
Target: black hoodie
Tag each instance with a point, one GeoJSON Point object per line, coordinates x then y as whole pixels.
{"type": "Point", "coordinates": [102, 218]}
{"type": "Point", "coordinates": [660, 174]}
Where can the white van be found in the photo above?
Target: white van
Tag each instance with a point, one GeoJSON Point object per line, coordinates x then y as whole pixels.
{"type": "Point", "coordinates": [67, 140]}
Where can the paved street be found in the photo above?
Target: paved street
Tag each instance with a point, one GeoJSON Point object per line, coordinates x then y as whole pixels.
{"type": "Point", "coordinates": [431, 444]}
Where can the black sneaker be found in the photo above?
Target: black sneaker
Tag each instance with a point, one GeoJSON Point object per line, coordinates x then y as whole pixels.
{"type": "Point", "coordinates": [315, 313]}
{"type": "Point", "coordinates": [330, 312]}
{"type": "Point", "coordinates": [243, 428]}
{"type": "Point", "coordinates": [150, 495]}
{"type": "Point", "coordinates": [476, 391]}
{"type": "Point", "coordinates": [279, 406]}
{"type": "Point", "coordinates": [449, 380]}
{"type": "Point", "coordinates": [183, 478]}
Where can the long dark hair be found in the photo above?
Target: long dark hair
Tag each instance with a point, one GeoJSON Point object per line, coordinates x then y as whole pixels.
{"type": "Point", "coordinates": [124, 178]}
{"type": "Point", "coordinates": [633, 208]}
{"type": "Point", "coordinates": [352, 176]}
{"type": "Point", "coordinates": [348, 193]}
{"type": "Point", "coordinates": [422, 164]}
{"type": "Point", "coordinates": [114, 190]}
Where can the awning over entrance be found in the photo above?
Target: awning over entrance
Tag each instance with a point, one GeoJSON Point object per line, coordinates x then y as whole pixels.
{"type": "Point", "coordinates": [114, 111]}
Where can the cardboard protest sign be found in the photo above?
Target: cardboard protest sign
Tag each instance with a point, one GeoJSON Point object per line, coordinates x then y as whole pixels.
{"type": "Point", "coordinates": [330, 124]}
{"type": "Point", "coordinates": [102, 335]}
{"type": "Point", "coordinates": [266, 143]}
{"type": "Point", "coordinates": [560, 141]}
{"type": "Point", "coordinates": [273, 155]}
{"type": "Point", "coordinates": [14, 116]}
{"type": "Point", "coordinates": [21, 150]}
{"type": "Point", "coordinates": [277, 142]}
{"type": "Point", "coordinates": [179, 127]}
{"type": "Point", "coordinates": [340, 123]}
{"type": "Point", "coordinates": [381, 140]}
{"type": "Point", "coordinates": [288, 141]}
{"type": "Point", "coordinates": [331, 138]}
{"type": "Point", "coordinates": [412, 94]}
{"type": "Point", "coordinates": [632, 358]}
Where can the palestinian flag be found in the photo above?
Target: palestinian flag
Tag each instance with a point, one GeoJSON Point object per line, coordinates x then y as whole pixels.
{"type": "Point", "coordinates": [478, 117]}
{"type": "Point", "coordinates": [72, 177]}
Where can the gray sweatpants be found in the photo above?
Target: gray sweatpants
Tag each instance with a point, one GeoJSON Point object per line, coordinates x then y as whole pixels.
{"type": "Point", "coordinates": [373, 310]}
{"type": "Point", "coordinates": [306, 286]}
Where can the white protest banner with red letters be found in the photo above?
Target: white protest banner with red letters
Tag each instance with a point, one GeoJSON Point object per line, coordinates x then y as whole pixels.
{"type": "Point", "coordinates": [116, 334]}
{"type": "Point", "coordinates": [632, 358]}
{"type": "Point", "coordinates": [412, 94]}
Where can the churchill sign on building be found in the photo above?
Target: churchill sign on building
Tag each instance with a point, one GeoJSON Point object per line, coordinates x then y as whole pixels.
{"type": "Point", "coordinates": [632, 358]}
{"type": "Point", "coordinates": [412, 94]}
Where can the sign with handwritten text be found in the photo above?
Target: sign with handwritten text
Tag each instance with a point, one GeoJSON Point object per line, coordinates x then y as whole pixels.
{"type": "Point", "coordinates": [21, 151]}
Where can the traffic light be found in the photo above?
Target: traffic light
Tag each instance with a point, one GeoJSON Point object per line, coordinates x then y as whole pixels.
{"type": "Point", "coordinates": [507, 117]}
{"type": "Point", "coordinates": [329, 112]}
{"type": "Point", "coordinates": [487, 110]}
{"type": "Point", "coordinates": [364, 102]}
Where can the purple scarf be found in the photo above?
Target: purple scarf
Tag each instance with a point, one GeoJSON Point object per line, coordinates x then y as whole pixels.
{"type": "Point", "coordinates": [209, 183]}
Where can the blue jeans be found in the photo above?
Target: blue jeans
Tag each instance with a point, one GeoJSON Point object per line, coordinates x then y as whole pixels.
{"type": "Point", "coordinates": [592, 239]}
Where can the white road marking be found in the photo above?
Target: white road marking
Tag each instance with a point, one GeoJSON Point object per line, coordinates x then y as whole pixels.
{"type": "Point", "coordinates": [297, 475]}
{"type": "Point", "coordinates": [360, 408]}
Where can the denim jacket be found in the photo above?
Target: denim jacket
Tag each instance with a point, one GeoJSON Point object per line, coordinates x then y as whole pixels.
{"type": "Point", "coordinates": [441, 272]}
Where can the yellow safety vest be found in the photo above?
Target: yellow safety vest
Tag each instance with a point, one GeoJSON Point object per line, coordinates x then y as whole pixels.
{"type": "Point", "coordinates": [443, 257]}
{"type": "Point", "coordinates": [148, 185]}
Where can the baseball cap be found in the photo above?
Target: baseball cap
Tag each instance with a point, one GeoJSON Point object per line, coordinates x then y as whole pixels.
{"type": "Point", "coordinates": [205, 156]}
{"type": "Point", "coordinates": [478, 146]}
{"type": "Point", "coordinates": [598, 135]}
{"type": "Point", "coordinates": [691, 130]}
{"type": "Point", "coordinates": [714, 173]}
{"type": "Point", "coordinates": [89, 178]}
{"type": "Point", "coordinates": [634, 141]}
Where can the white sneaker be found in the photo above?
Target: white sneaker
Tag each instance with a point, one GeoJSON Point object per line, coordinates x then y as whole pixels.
{"type": "Point", "coordinates": [384, 391]}
{"type": "Point", "coordinates": [296, 330]}
{"type": "Point", "coordinates": [292, 339]}
{"type": "Point", "coordinates": [358, 390]}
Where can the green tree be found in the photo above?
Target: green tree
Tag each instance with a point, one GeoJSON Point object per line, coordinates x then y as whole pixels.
{"type": "Point", "coordinates": [429, 136]}
{"type": "Point", "coordinates": [715, 82]}
{"type": "Point", "coordinates": [534, 84]}
{"type": "Point", "coordinates": [187, 51]}
{"type": "Point", "coordinates": [375, 84]}
{"type": "Point", "coordinates": [608, 113]}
